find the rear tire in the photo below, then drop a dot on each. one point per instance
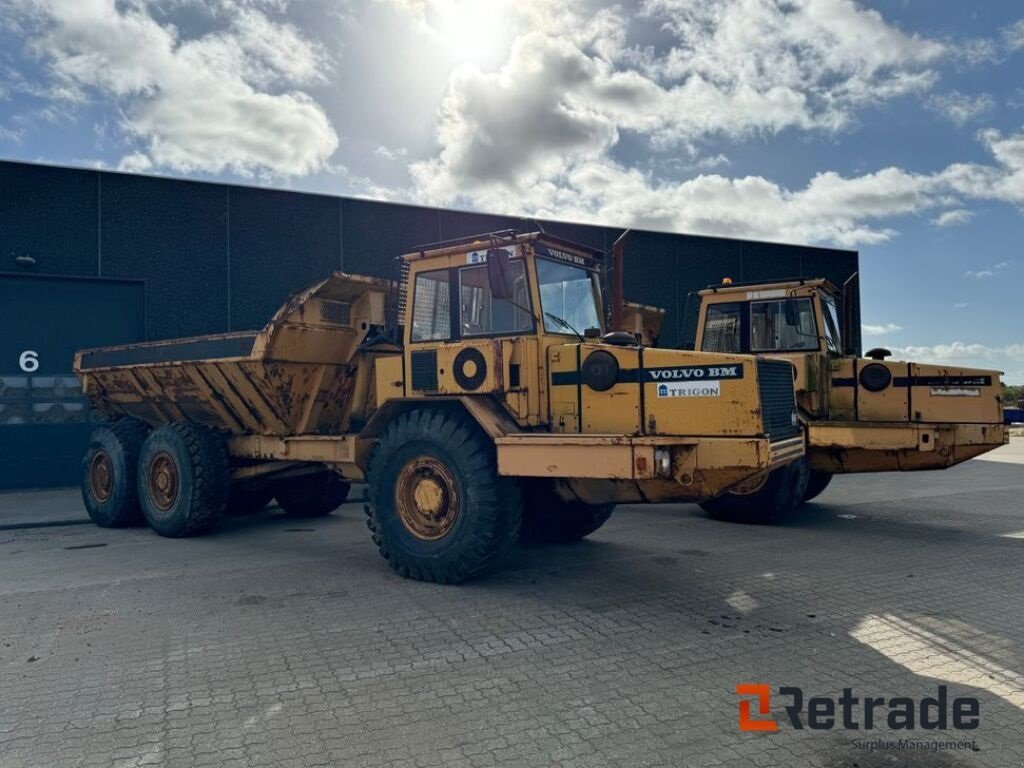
(248, 500)
(782, 492)
(817, 483)
(109, 468)
(438, 510)
(549, 519)
(184, 479)
(312, 495)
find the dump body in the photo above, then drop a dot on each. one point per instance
(304, 373)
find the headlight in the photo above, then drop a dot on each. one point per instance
(663, 461)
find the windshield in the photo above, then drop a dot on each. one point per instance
(567, 292)
(831, 324)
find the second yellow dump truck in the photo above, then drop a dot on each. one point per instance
(477, 395)
(861, 414)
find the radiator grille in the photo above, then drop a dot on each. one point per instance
(778, 401)
(336, 312)
(402, 300)
(424, 370)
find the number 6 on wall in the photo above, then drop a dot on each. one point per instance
(29, 361)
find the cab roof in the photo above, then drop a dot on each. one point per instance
(760, 285)
(505, 238)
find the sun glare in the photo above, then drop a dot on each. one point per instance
(472, 30)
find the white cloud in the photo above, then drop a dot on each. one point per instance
(953, 218)
(1013, 35)
(222, 101)
(960, 108)
(537, 135)
(831, 208)
(734, 68)
(833, 53)
(135, 162)
(987, 272)
(960, 353)
(880, 330)
(390, 154)
(962, 305)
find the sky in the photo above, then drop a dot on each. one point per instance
(895, 127)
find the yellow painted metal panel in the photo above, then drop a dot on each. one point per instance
(700, 393)
(890, 404)
(952, 394)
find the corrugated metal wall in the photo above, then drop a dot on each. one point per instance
(218, 257)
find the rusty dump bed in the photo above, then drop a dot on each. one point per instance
(298, 375)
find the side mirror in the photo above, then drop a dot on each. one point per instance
(790, 309)
(499, 273)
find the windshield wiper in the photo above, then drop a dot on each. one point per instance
(565, 324)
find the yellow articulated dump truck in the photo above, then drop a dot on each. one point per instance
(860, 414)
(476, 394)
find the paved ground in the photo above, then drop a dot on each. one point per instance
(273, 643)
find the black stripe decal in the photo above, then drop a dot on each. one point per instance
(643, 405)
(579, 393)
(927, 381)
(653, 375)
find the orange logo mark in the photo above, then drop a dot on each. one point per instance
(763, 693)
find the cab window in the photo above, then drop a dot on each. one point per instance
(431, 310)
(568, 293)
(483, 315)
(722, 326)
(784, 325)
(832, 338)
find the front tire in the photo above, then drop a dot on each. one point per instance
(781, 493)
(438, 510)
(817, 483)
(109, 467)
(184, 479)
(549, 519)
(314, 495)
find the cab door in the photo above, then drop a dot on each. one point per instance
(460, 338)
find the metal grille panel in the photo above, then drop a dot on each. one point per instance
(424, 370)
(778, 400)
(336, 312)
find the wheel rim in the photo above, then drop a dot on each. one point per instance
(101, 476)
(163, 481)
(427, 498)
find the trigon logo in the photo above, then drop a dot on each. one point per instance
(763, 693)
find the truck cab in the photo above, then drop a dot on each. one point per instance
(863, 413)
(518, 320)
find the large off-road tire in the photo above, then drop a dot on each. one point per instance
(438, 510)
(817, 483)
(184, 479)
(109, 468)
(782, 492)
(549, 519)
(313, 495)
(248, 499)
